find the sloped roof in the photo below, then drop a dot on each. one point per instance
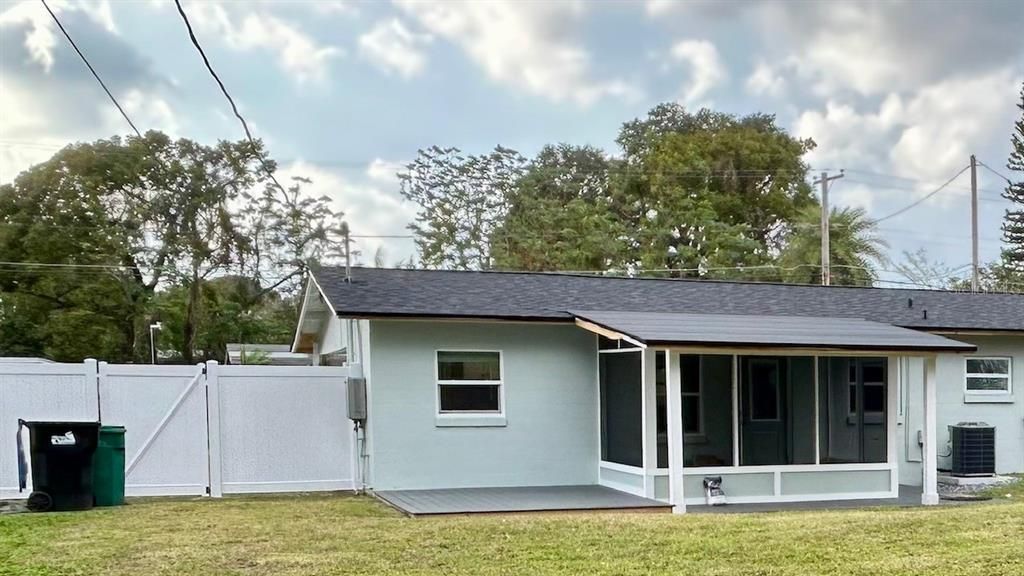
(383, 292)
(741, 331)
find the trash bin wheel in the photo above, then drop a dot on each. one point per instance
(39, 502)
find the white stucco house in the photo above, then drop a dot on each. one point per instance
(647, 386)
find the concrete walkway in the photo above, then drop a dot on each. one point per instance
(518, 499)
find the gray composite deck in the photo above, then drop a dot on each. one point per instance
(518, 499)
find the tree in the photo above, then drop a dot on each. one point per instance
(288, 231)
(855, 249)
(1013, 224)
(230, 309)
(709, 189)
(93, 215)
(115, 220)
(463, 199)
(921, 270)
(559, 215)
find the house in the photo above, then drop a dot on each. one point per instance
(273, 354)
(648, 386)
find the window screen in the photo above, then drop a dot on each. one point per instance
(469, 381)
(988, 375)
(621, 408)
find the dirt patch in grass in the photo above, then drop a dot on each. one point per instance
(339, 534)
(1011, 491)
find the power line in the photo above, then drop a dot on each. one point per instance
(224, 90)
(91, 69)
(922, 199)
(996, 172)
(989, 195)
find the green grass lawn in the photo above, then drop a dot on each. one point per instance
(338, 534)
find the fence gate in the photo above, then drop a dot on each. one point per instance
(163, 409)
(194, 430)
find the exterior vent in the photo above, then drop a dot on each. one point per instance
(974, 449)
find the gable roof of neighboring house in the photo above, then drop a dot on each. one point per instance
(275, 354)
(383, 292)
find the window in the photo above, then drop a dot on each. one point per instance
(469, 382)
(874, 388)
(987, 375)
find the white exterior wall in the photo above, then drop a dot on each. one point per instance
(1006, 413)
(550, 434)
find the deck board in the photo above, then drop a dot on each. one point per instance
(515, 499)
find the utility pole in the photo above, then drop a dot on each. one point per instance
(974, 224)
(826, 271)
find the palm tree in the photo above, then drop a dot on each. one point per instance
(856, 250)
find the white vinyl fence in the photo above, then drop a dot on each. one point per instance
(194, 430)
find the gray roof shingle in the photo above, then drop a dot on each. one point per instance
(383, 292)
(728, 330)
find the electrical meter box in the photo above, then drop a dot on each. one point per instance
(357, 399)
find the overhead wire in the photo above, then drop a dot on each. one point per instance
(89, 65)
(921, 200)
(224, 90)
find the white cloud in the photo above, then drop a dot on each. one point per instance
(926, 136)
(706, 68)
(371, 208)
(766, 80)
(329, 7)
(47, 100)
(42, 38)
(845, 47)
(383, 171)
(522, 44)
(148, 111)
(298, 54)
(394, 48)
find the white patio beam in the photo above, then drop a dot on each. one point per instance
(673, 379)
(929, 466)
(649, 419)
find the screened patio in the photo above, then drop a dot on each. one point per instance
(784, 409)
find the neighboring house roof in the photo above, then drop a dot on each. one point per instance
(732, 330)
(276, 354)
(24, 360)
(382, 292)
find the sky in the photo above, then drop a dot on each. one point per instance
(897, 94)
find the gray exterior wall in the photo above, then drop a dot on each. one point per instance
(1006, 413)
(550, 436)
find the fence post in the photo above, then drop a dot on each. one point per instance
(91, 371)
(213, 429)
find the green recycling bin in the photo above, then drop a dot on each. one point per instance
(108, 467)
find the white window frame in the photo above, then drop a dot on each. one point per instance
(438, 382)
(699, 395)
(1008, 376)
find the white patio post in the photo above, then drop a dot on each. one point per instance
(673, 378)
(893, 387)
(930, 492)
(649, 419)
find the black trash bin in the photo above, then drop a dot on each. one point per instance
(61, 454)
